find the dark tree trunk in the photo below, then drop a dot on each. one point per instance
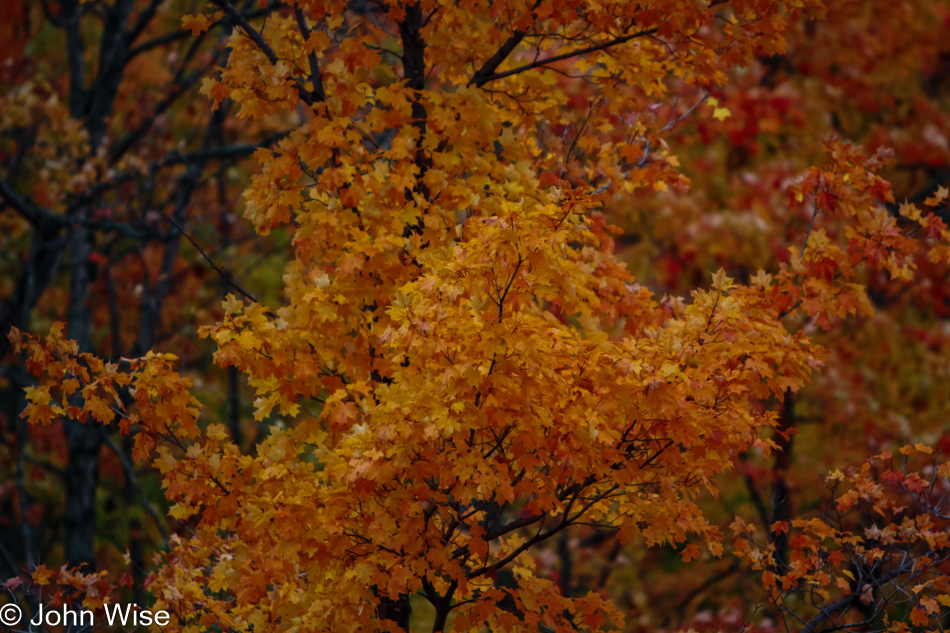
(83, 440)
(781, 502)
(396, 610)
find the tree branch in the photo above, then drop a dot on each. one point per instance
(547, 60)
(847, 601)
(211, 263)
(24, 206)
(181, 34)
(316, 77)
(130, 474)
(493, 62)
(261, 44)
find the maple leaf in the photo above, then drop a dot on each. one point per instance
(197, 24)
(721, 114)
(690, 552)
(918, 617)
(12, 583)
(929, 605)
(721, 281)
(42, 575)
(398, 580)
(938, 198)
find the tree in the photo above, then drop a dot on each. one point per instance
(106, 162)
(880, 543)
(881, 388)
(464, 367)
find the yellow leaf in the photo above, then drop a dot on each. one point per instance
(721, 113)
(42, 575)
(182, 511)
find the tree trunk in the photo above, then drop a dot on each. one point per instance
(396, 610)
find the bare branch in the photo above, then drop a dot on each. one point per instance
(211, 263)
(548, 60)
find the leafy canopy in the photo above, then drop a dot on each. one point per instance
(468, 367)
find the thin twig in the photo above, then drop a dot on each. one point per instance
(220, 272)
(808, 233)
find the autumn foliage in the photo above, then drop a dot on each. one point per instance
(560, 283)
